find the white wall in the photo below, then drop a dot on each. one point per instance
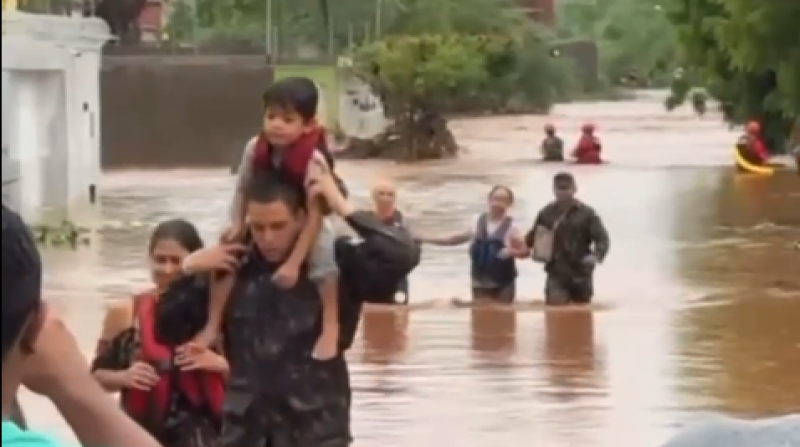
(51, 101)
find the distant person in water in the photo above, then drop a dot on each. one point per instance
(384, 206)
(751, 145)
(552, 147)
(588, 150)
(495, 241)
(569, 238)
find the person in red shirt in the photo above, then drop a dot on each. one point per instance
(752, 146)
(175, 393)
(588, 149)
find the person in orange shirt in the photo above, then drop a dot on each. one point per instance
(588, 149)
(751, 144)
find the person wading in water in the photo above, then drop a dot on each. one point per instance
(278, 394)
(569, 238)
(751, 144)
(495, 243)
(174, 393)
(41, 354)
(384, 205)
(552, 147)
(589, 148)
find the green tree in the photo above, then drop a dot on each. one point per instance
(419, 76)
(746, 54)
(621, 28)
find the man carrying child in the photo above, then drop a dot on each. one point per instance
(292, 149)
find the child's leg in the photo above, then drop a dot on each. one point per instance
(325, 271)
(220, 290)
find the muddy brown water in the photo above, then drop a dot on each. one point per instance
(698, 304)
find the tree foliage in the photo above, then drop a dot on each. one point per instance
(746, 54)
(445, 56)
(622, 29)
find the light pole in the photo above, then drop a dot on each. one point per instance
(268, 25)
(378, 18)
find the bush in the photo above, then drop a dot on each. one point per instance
(423, 78)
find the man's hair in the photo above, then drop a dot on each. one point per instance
(22, 278)
(563, 178)
(265, 188)
(296, 94)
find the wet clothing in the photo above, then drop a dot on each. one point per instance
(504, 295)
(401, 294)
(588, 150)
(184, 408)
(579, 234)
(278, 395)
(493, 273)
(553, 149)
(719, 431)
(752, 149)
(563, 290)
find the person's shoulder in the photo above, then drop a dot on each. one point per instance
(547, 208)
(586, 209)
(14, 436)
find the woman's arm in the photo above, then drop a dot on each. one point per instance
(448, 241)
(108, 374)
(515, 243)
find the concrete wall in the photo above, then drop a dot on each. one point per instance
(179, 111)
(50, 144)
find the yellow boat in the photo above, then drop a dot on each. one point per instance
(743, 165)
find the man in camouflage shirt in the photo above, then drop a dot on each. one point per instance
(580, 242)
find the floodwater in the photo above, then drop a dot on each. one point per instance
(698, 303)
